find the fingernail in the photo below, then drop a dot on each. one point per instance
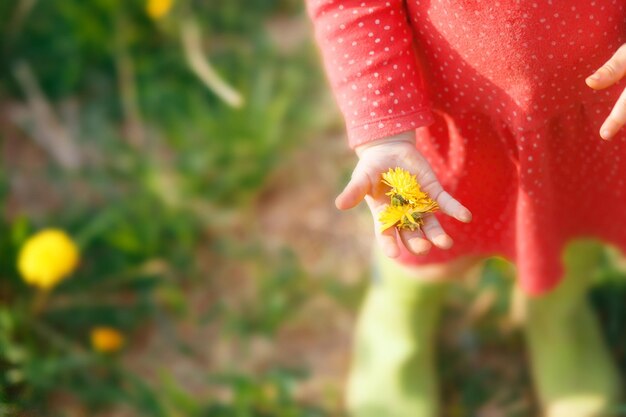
(465, 217)
(420, 246)
(594, 77)
(443, 241)
(605, 133)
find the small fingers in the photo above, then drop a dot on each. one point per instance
(414, 241)
(611, 72)
(452, 207)
(434, 232)
(431, 185)
(446, 202)
(616, 119)
(388, 242)
(356, 189)
(386, 239)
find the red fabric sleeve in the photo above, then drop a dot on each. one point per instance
(368, 54)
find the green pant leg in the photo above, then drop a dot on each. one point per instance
(393, 370)
(573, 371)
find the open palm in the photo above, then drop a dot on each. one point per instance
(376, 158)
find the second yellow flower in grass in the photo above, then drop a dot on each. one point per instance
(408, 203)
(106, 339)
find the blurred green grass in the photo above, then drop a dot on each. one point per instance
(163, 172)
(162, 184)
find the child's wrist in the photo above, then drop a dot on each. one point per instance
(407, 137)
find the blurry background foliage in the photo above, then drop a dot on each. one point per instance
(110, 133)
(191, 150)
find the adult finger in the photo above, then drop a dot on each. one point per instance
(386, 239)
(434, 232)
(616, 119)
(356, 189)
(414, 241)
(611, 72)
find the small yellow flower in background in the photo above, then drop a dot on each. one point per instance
(408, 203)
(47, 258)
(156, 9)
(106, 339)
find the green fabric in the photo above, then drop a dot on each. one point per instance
(394, 370)
(573, 371)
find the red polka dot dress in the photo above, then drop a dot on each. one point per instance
(496, 93)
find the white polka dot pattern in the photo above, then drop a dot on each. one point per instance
(512, 130)
(368, 53)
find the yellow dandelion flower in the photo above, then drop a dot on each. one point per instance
(425, 205)
(404, 186)
(413, 220)
(391, 216)
(408, 202)
(47, 258)
(405, 217)
(106, 339)
(156, 9)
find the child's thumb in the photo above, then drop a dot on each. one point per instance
(355, 191)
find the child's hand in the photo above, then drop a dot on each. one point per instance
(377, 157)
(610, 73)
